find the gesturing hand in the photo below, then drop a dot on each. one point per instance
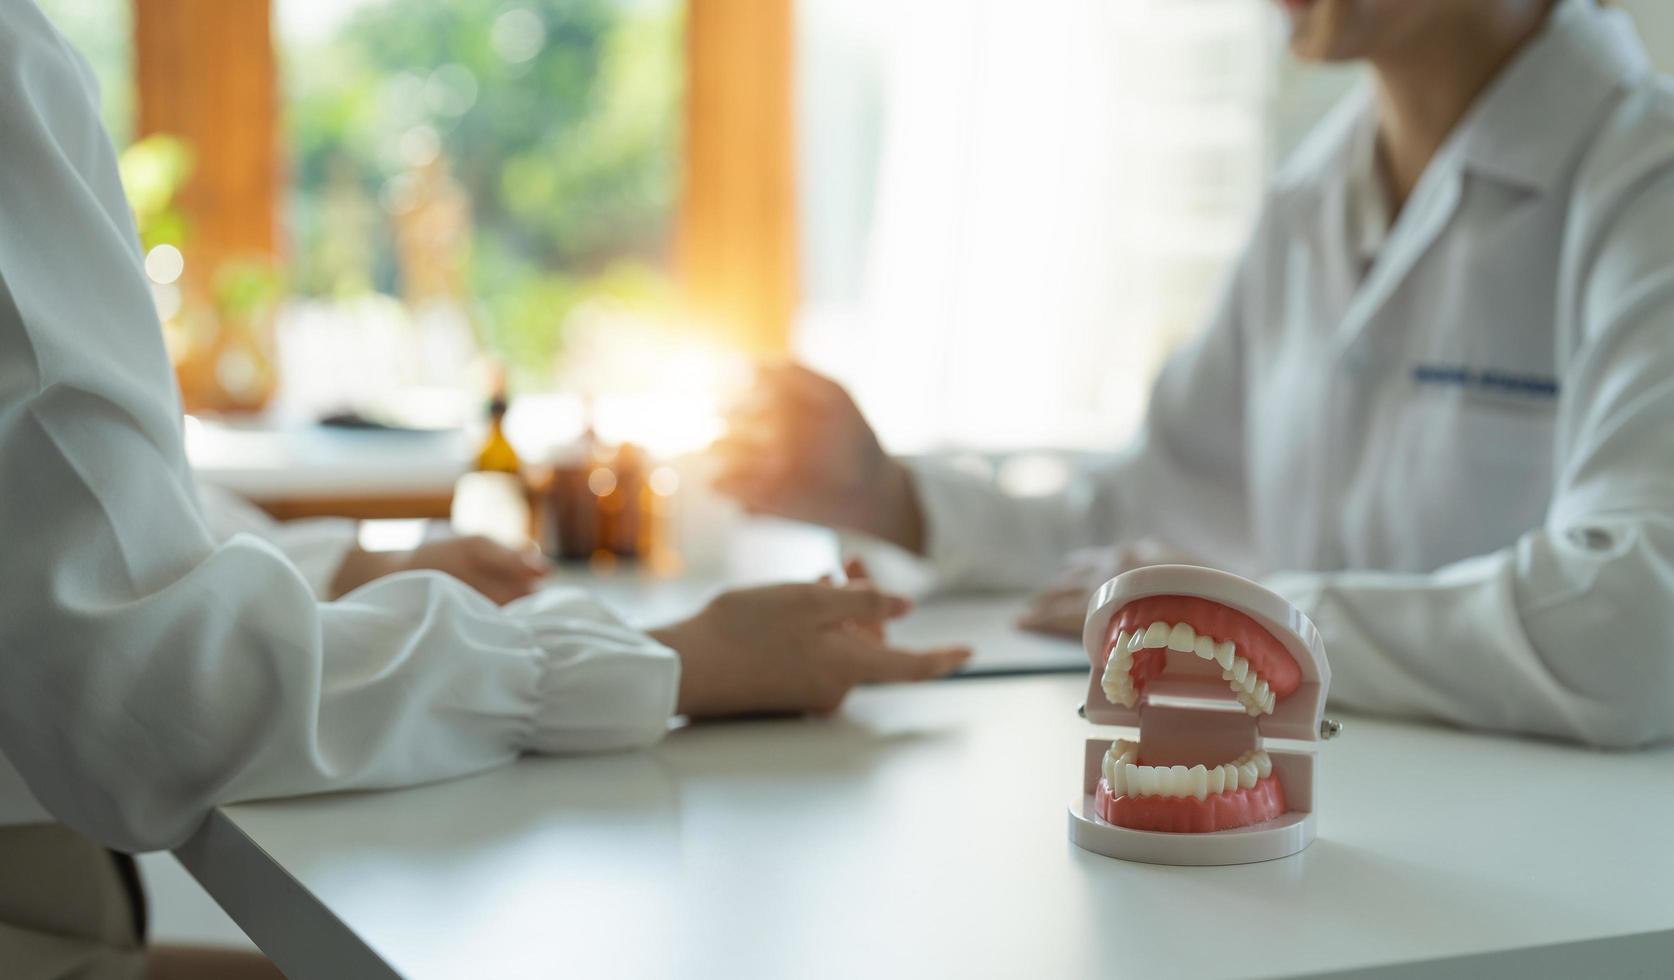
(798, 447)
(792, 648)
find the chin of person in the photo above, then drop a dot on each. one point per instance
(1316, 28)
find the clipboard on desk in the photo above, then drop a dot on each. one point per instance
(987, 624)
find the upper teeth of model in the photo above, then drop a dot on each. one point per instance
(1127, 778)
(1250, 689)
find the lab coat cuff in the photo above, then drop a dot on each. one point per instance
(1300, 589)
(955, 506)
(891, 568)
(1362, 676)
(1306, 591)
(1346, 651)
(948, 500)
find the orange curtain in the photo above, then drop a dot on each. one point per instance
(206, 73)
(736, 250)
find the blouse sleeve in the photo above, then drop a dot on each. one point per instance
(315, 546)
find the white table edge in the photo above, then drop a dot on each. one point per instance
(1632, 955)
(281, 916)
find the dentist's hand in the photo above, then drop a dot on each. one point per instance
(798, 447)
(793, 648)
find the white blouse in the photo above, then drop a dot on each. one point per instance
(148, 672)
(315, 546)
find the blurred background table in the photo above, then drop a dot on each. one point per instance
(302, 469)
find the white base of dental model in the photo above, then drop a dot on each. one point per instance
(1186, 714)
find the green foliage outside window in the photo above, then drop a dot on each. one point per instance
(559, 119)
(153, 170)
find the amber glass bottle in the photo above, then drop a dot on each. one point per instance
(497, 454)
(492, 499)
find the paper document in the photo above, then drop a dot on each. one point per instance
(986, 623)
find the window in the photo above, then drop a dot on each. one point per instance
(994, 209)
(1044, 205)
(471, 172)
(451, 175)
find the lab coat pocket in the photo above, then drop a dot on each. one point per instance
(1477, 474)
(1505, 453)
(1511, 433)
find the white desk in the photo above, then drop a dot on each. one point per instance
(922, 833)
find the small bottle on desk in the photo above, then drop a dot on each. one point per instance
(497, 454)
(493, 499)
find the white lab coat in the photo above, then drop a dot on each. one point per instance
(1460, 462)
(147, 672)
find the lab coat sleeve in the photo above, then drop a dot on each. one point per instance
(1570, 632)
(315, 546)
(1181, 482)
(148, 673)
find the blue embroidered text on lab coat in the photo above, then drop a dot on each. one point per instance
(1487, 379)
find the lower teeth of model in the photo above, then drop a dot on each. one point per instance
(1127, 778)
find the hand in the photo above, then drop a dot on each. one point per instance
(1061, 610)
(793, 648)
(496, 571)
(798, 447)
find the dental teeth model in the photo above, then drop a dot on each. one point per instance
(1205, 663)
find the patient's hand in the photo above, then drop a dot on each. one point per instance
(496, 571)
(793, 648)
